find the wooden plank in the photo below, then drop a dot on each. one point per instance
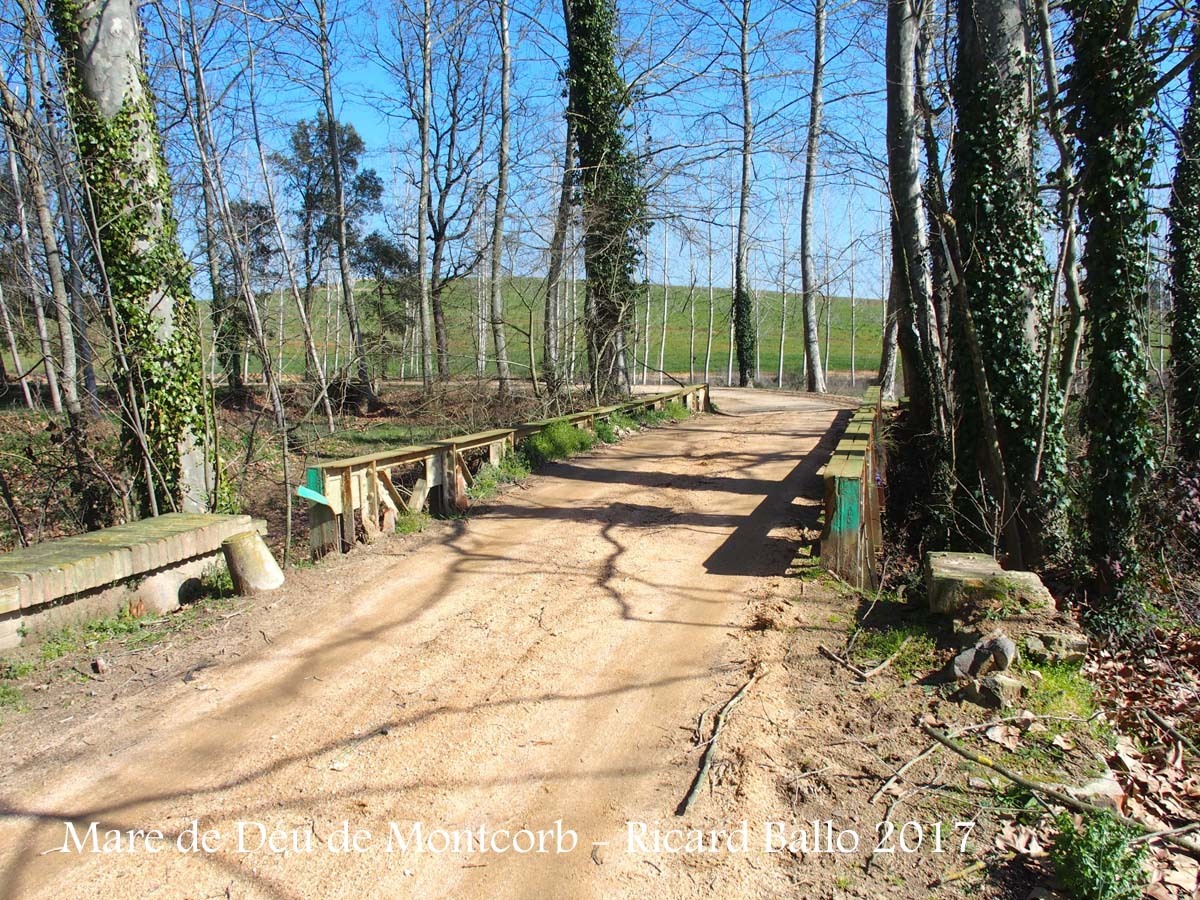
(386, 480)
(348, 509)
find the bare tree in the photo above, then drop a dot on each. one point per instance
(815, 381)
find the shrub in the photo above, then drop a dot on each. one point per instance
(557, 441)
(511, 469)
(1095, 861)
(605, 432)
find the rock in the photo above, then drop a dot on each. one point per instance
(993, 654)
(995, 691)
(99, 666)
(1003, 650)
(961, 665)
(159, 593)
(1056, 647)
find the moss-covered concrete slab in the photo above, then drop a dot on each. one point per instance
(962, 582)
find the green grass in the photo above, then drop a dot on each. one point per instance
(73, 638)
(605, 432)
(409, 522)
(131, 632)
(556, 441)
(512, 468)
(11, 700)
(917, 658)
(1095, 861)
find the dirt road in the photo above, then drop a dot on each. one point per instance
(541, 662)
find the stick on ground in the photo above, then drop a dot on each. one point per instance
(845, 663)
(706, 760)
(1063, 799)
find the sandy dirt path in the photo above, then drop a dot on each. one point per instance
(543, 661)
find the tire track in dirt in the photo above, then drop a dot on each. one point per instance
(537, 662)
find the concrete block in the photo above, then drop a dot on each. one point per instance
(160, 592)
(10, 594)
(10, 630)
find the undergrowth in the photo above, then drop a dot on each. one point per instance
(556, 441)
(917, 653)
(1095, 861)
(513, 467)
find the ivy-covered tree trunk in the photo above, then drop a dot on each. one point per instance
(1005, 285)
(613, 199)
(1185, 273)
(744, 333)
(1110, 87)
(156, 328)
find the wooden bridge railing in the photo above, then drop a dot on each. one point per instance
(853, 530)
(379, 486)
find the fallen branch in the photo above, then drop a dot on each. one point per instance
(1172, 730)
(826, 652)
(1063, 799)
(899, 773)
(977, 866)
(706, 760)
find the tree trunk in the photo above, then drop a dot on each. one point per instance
(499, 339)
(743, 321)
(711, 308)
(1004, 289)
(423, 200)
(662, 343)
(303, 302)
(554, 279)
(11, 338)
(363, 387)
(157, 327)
(891, 328)
(921, 344)
(1185, 271)
(815, 379)
(18, 125)
(35, 288)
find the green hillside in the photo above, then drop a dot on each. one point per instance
(524, 300)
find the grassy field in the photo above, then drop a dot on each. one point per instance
(524, 301)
